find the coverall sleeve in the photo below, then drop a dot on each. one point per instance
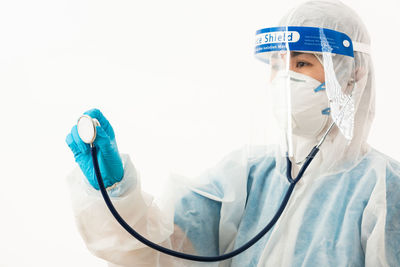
(106, 239)
(380, 231)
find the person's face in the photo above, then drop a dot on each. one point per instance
(308, 64)
(304, 63)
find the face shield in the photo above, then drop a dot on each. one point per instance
(311, 77)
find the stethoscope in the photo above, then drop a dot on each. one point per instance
(87, 132)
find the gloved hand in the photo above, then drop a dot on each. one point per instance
(110, 162)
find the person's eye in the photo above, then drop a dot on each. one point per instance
(301, 64)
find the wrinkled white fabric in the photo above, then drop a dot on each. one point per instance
(106, 239)
(349, 218)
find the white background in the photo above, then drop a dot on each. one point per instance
(144, 64)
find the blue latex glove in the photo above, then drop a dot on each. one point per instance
(110, 162)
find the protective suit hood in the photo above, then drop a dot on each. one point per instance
(337, 152)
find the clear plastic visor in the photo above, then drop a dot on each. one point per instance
(310, 74)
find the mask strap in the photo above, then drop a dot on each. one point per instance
(362, 47)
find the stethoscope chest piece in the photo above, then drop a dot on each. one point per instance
(87, 128)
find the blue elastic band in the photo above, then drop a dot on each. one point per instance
(320, 88)
(326, 111)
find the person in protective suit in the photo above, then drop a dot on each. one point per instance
(345, 211)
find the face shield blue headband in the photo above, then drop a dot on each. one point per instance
(273, 46)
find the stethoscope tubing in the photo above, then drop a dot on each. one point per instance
(191, 257)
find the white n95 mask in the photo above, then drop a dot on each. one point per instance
(309, 103)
